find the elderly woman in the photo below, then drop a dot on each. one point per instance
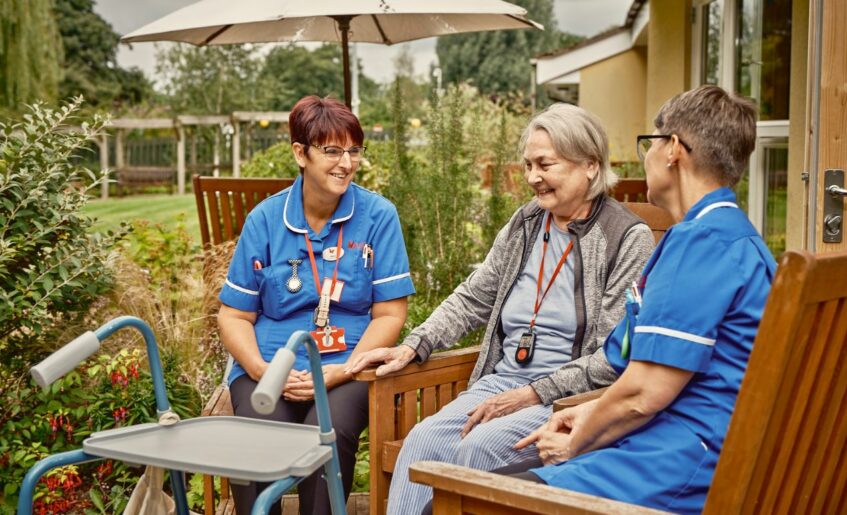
(548, 293)
(323, 243)
(655, 435)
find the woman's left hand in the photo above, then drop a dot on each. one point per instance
(553, 446)
(501, 405)
(304, 389)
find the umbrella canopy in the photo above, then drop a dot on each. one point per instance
(222, 22)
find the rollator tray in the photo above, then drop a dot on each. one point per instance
(233, 447)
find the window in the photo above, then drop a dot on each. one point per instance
(763, 55)
(745, 46)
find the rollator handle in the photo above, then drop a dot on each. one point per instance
(65, 359)
(269, 389)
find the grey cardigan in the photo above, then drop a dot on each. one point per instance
(611, 248)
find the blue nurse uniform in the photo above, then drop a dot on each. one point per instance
(704, 291)
(275, 233)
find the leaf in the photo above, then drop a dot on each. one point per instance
(97, 499)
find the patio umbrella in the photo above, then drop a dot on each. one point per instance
(222, 22)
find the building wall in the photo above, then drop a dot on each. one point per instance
(614, 90)
(668, 54)
(795, 219)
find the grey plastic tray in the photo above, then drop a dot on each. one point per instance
(233, 447)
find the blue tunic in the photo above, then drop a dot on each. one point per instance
(704, 291)
(274, 233)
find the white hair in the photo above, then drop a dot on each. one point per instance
(579, 137)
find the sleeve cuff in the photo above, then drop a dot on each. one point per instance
(671, 351)
(239, 298)
(546, 390)
(416, 343)
(393, 287)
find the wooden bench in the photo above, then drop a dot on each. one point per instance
(222, 206)
(394, 399)
(133, 178)
(223, 203)
(786, 448)
(630, 190)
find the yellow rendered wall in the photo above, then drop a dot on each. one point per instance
(668, 54)
(614, 90)
(797, 195)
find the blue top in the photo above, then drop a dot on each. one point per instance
(274, 233)
(703, 294)
(555, 327)
(704, 291)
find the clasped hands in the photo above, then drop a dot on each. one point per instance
(300, 386)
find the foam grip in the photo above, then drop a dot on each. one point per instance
(65, 359)
(269, 389)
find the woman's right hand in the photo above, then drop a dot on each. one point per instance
(390, 359)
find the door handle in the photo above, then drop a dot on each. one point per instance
(835, 191)
(833, 206)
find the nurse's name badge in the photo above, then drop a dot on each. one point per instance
(332, 253)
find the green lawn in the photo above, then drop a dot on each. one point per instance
(165, 209)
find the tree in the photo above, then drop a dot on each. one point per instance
(90, 58)
(497, 62)
(292, 72)
(30, 52)
(211, 80)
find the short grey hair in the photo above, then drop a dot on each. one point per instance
(577, 136)
(720, 128)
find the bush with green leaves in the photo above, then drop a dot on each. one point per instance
(51, 267)
(278, 161)
(275, 161)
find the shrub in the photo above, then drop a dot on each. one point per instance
(50, 266)
(275, 161)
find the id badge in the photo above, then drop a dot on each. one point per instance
(330, 341)
(526, 347)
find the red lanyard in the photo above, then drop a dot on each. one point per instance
(562, 260)
(315, 266)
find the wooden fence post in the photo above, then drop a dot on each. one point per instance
(104, 164)
(180, 157)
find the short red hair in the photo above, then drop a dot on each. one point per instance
(318, 121)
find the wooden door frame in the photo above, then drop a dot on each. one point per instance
(827, 108)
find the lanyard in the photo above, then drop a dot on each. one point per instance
(324, 302)
(562, 260)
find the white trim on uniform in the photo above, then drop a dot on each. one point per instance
(239, 288)
(352, 208)
(674, 334)
(716, 205)
(285, 217)
(392, 278)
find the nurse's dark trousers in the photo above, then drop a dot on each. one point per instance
(348, 406)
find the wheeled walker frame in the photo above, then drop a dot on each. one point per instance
(240, 448)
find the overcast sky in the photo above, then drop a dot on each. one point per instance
(583, 17)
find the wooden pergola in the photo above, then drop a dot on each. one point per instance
(180, 125)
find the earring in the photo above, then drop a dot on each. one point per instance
(670, 165)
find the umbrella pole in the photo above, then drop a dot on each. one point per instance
(344, 28)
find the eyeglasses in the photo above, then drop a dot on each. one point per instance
(334, 152)
(643, 142)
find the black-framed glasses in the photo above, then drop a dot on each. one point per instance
(643, 142)
(334, 152)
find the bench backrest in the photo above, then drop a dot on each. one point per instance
(630, 190)
(786, 449)
(656, 218)
(223, 203)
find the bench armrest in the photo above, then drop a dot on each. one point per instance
(576, 400)
(455, 486)
(436, 361)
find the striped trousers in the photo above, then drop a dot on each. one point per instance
(488, 446)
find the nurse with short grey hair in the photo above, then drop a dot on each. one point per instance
(550, 290)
